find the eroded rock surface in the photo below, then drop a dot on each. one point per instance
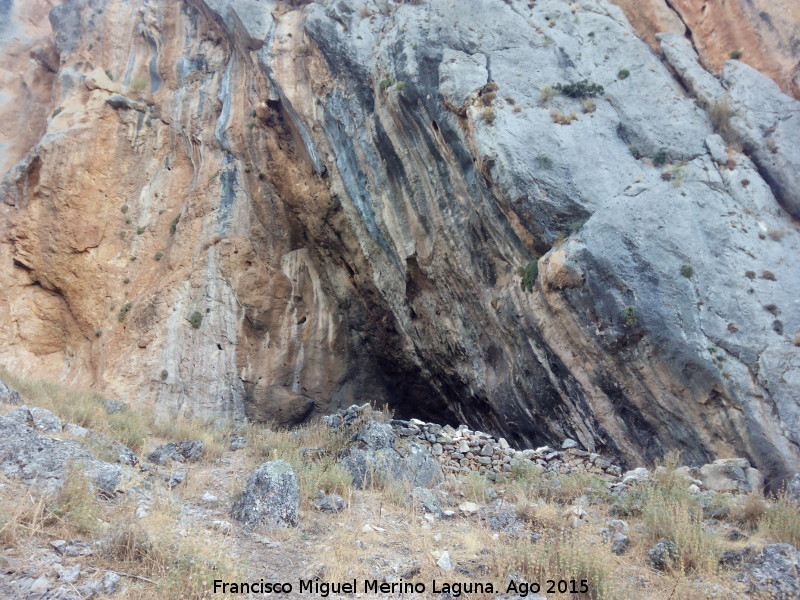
(283, 209)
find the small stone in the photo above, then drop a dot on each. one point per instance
(568, 443)
(111, 583)
(40, 586)
(503, 444)
(175, 479)
(70, 575)
(468, 508)
(209, 497)
(59, 546)
(619, 543)
(329, 503)
(444, 562)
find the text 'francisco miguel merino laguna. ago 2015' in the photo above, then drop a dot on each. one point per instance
(373, 586)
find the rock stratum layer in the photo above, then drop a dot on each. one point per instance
(272, 210)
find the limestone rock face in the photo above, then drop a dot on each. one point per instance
(274, 210)
(764, 32)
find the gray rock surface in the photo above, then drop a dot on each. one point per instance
(188, 451)
(329, 503)
(270, 497)
(664, 555)
(36, 458)
(731, 475)
(373, 457)
(8, 395)
(776, 571)
(396, 271)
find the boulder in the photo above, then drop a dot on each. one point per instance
(8, 396)
(270, 497)
(427, 501)
(664, 555)
(731, 475)
(329, 503)
(177, 451)
(374, 456)
(775, 572)
(27, 455)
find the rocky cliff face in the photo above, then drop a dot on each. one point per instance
(764, 33)
(273, 210)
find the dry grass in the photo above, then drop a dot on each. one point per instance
(82, 408)
(561, 118)
(781, 523)
(721, 114)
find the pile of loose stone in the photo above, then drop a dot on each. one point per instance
(460, 450)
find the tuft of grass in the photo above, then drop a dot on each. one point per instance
(488, 115)
(782, 521)
(561, 118)
(547, 93)
(630, 316)
(623, 74)
(476, 487)
(528, 275)
(123, 312)
(721, 114)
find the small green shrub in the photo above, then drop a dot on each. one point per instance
(623, 74)
(196, 319)
(158, 255)
(661, 158)
(635, 152)
(124, 311)
(630, 316)
(386, 83)
(173, 227)
(124, 208)
(126, 280)
(544, 161)
(109, 74)
(399, 85)
(251, 125)
(736, 54)
(581, 89)
(701, 104)
(528, 275)
(164, 375)
(687, 271)
(140, 230)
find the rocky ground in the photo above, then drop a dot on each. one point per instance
(360, 496)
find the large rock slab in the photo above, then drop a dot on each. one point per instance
(27, 455)
(731, 475)
(775, 571)
(373, 457)
(270, 497)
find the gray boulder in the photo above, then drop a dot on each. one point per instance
(664, 555)
(731, 475)
(270, 497)
(426, 501)
(329, 503)
(374, 456)
(8, 396)
(177, 451)
(39, 418)
(775, 572)
(42, 460)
